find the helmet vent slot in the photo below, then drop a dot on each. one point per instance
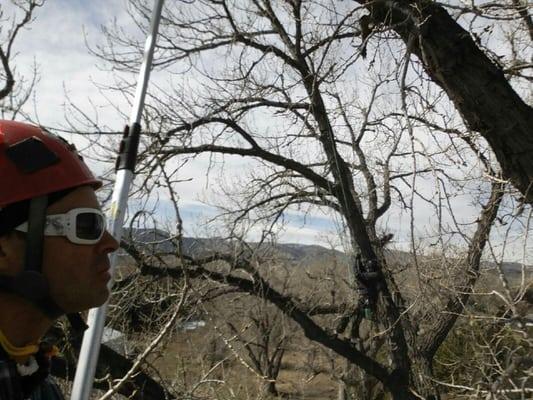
(31, 155)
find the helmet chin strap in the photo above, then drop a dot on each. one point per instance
(31, 284)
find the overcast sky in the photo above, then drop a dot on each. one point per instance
(56, 42)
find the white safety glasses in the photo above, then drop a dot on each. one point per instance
(79, 225)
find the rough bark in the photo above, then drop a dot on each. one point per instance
(477, 87)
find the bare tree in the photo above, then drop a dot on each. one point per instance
(275, 82)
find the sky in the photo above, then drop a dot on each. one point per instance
(57, 43)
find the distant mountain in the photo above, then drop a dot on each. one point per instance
(161, 242)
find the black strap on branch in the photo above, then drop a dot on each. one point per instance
(77, 323)
(367, 275)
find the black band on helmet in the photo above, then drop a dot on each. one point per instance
(31, 283)
(15, 214)
(35, 235)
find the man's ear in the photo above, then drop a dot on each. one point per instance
(11, 251)
(2, 246)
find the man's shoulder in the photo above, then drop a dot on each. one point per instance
(47, 390)
(10, 383)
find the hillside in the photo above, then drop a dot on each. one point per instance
(161, 242)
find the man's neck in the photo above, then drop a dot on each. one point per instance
(21, 322)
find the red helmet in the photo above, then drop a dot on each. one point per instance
(34, 162)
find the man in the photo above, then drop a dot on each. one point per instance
(53, 252)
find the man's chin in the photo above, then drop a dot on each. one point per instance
(96, 300)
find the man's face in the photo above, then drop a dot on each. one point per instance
(77, 274)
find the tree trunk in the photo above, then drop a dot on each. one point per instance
(422, 379)
(477, 87)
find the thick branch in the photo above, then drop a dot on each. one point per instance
(10, 80)
(477, 87)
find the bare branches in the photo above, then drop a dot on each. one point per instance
(255, 151)
(8, 36)
(10, 81)
(325, 132)
(260, 288)
(142, 357)
(443, 323)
